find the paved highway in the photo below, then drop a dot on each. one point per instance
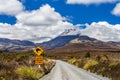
(65, 71)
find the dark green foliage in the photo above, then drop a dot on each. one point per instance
(87, 55)
(1, 51)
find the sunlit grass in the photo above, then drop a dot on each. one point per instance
(90, 64)
(113, 64)
(29, 72)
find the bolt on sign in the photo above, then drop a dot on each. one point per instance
(39, 60)
(38, 51)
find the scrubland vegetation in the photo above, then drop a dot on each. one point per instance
(106, 64)
(100, 65)
(21, 66)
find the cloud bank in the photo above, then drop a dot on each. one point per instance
(116, 10)
(89, 1)
(102, 31)
(38, 25)
(45, 23)
(10, 7)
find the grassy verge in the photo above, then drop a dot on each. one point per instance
(21, 66)
(108, 69)
(102, 63)
(29, 73)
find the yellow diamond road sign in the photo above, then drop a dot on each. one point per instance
(38, 50)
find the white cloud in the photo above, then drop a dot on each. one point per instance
(116, 10)
(89, 1)
(45, 15)
(102, 31)
(37, 26)
(10, 7)
(35, 34)
(45, 23)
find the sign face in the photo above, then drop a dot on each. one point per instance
(38, 51)
(38, 60)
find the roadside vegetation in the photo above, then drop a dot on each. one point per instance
(100, 65)
(106, 64)
(21, 66)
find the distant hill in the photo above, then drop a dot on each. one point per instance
(69, 40)
(61, 40)
(15, 45)
(73, 40)
(79, 43)
(58, 42)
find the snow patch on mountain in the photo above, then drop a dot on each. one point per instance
(70, 32)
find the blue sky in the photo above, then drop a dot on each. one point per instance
(78, 14)
(91, 15)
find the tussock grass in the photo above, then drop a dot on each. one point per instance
(29, 73)
(103, 66)
(113, 64)
(21, 66)
(89, 64)
(74, 61)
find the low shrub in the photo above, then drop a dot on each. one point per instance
(74, 61)
(29, 72)
(113, 64)
(87, 55)
(22, 55)
(89, 64)
(2, 78)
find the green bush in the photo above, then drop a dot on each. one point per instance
(2, 78)
(113, 64)
(74, 61)
(87, 55)
(22, 55)
(103, 69)
(1, 51)
(90, 64)
(29, 72)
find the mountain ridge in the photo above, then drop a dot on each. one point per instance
(67, 41)
(15, 45)
(69, 38)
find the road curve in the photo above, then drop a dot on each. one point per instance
(65, 71)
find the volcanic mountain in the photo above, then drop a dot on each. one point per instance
(73, 40)
(69, 40)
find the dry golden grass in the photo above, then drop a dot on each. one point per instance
(105, 63)
(21, 66)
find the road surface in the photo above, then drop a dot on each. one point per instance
(65, 71)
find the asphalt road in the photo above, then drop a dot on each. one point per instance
(65, 71)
